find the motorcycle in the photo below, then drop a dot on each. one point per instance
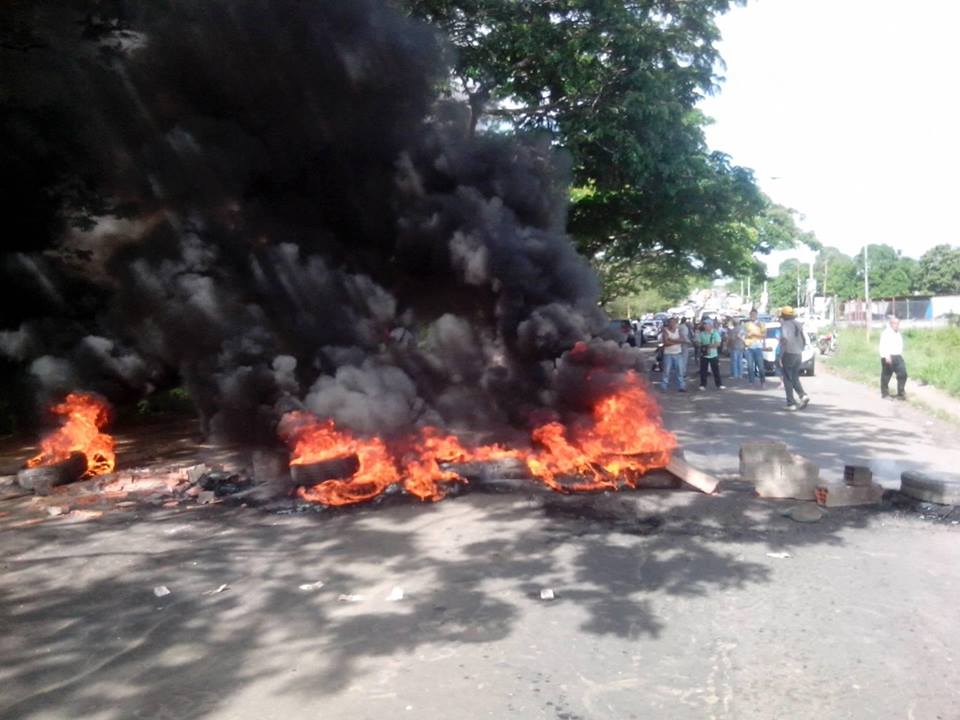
(827, 344)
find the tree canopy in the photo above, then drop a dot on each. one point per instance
(615, 84)
(938, 271)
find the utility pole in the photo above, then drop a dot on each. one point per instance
(868, 314)
(797, 304)
(749, 296)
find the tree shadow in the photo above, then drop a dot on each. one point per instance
(84, 630)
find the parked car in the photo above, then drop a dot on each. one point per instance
(771, 351)
(650, 330)
(621, 331)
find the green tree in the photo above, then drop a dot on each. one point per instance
(836, 274)
(891, 274)
(938, 271)
(615, 84)
(782, 289)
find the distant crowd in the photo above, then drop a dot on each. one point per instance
(685, 345)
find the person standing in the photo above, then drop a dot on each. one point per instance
(792, 342)
(736, 345)
(709, 342)
(672, 355)
(891, 359)
(755, 334)
(686, 337)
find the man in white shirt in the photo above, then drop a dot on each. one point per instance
(891, 359)
(673, 355)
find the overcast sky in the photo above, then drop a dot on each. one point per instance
(853, 105)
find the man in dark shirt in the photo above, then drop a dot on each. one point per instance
(792, 343)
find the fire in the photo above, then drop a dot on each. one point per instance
(83, 416)
(623, 439)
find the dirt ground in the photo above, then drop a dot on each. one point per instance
(667, 603)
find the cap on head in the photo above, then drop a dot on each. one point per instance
(787, 311)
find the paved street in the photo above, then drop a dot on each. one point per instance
(668, 604)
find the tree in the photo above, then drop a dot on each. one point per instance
(782, 290)
(891, 274)
(836, 274)
(615, 84)
(938, 271)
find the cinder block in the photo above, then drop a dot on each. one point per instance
(941, 490)
(836, 495)
(795, 477)
(859, 475)
(761, 460)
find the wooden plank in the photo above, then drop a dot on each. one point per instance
(702, 481)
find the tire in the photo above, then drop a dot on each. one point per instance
(316, 473)
(43, 478)
(812, 370)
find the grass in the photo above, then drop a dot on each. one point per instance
(932, 356)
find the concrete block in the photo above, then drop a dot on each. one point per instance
(836, 495)
(858, 475)
(943, 490)
(795, 477)
(760, 461)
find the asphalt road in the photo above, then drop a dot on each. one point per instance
(668, 604)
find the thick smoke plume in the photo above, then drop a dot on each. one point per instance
(298, 220)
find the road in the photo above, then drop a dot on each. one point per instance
(668, 604)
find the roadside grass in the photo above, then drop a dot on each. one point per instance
(932, 356)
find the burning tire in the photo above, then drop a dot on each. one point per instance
(43, 478)
(316, 473)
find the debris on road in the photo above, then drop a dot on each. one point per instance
(217, 590)
(805, 513)
(349, 598)
(395, 594)
(836, 495)
(857, 475)
(691, 476)
(547, 594)
(779, 555)
(311, 586)
(943, 490)
(778, 473)
(161, 590)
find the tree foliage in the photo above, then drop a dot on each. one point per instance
(615, 84)
(938, 271)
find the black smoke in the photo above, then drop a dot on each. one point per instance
(270, 202)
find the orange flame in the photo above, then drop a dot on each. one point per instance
(84, 416)
(624, 440)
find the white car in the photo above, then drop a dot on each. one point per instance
(771, 351)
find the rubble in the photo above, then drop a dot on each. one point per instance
(778, 473)
(837, 495)
(857, 475)
(805, 513)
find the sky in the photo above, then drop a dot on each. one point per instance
(847, 111)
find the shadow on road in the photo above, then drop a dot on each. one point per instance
(85, 634)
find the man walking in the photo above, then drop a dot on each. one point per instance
(709, 342)
(672, 355)
(891, 359)
(792, 343)
(756, 333)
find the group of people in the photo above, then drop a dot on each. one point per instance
(745, 344)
